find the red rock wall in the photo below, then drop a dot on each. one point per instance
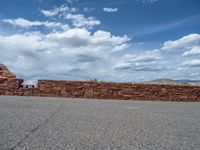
(101, 90)
(9, 86)
(5, 72)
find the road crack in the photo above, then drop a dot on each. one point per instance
(36, 128)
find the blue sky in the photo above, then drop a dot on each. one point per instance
(122, 41)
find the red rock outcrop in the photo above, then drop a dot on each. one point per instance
(5, 72)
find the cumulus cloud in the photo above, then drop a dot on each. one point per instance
(187, 46)
(194, 51)
(99, 41)
(79, 20)
(148, 61)
(184, 42)
(110, 10)
(192, 63)
(169, 61)
(182, 56)
(66, 55)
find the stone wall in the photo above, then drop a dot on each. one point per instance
(9, 85)
(101, 90)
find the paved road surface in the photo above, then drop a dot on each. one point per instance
(73, 124)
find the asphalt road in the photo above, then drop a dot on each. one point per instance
(73, 124)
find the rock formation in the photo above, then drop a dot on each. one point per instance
(5, 72)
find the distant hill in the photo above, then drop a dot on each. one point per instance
(163, 81)
(174, 82)
(192, 82)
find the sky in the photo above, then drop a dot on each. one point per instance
(107, 40)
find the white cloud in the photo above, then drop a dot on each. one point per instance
(194, 51)
(86, 9)
(69, 52)
(59, 11)
(185, 42)
(60, 55)
(147, 61)
(82, 38)
(103, 37)
(49, 13)
(70, 14)
(24, 23)
(192, 63)
(147, 1)
(188, 45)
(21, 22)
(110, 9)
(79, 20)
(165, 62)
(71, 1)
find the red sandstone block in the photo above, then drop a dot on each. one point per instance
(89, 93)
(126, 91)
